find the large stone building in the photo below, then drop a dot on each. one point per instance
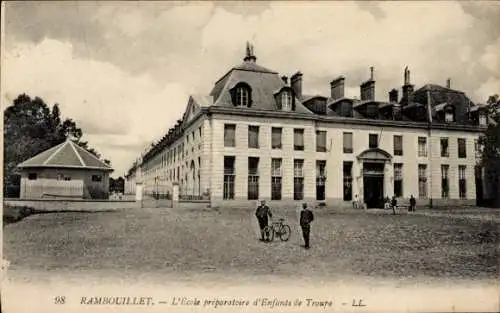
(258, 136)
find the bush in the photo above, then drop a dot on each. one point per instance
(12, 214)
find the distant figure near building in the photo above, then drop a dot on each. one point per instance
(394, 204)
(262, 214)
(413, 203)
(306, 217)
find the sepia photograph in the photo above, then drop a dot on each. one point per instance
(250, 156)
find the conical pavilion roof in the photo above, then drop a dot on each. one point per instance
(66, 155)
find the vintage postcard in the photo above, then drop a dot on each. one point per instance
(274, 156)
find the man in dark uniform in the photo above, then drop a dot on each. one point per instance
(262, 214)
(394, 204)
(306, 217)
(413, 203)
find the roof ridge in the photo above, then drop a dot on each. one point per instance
(55, 152)
(72, 144)
(93, 156)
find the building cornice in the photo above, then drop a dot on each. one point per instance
(341, 120)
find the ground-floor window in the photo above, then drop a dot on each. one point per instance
(445, 187)
(422, 181)
(320, 180)
(253, 178)
(462, 182)
(347, 169)
(276, 179)
(398, 179)
(298, 179)
(229, 178)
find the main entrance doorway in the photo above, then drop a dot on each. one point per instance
(373, 184)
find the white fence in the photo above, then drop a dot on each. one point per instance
(52, 189)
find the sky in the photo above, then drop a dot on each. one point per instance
(124, 70)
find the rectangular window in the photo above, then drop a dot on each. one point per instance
(422, 180)
(253, 137)
(462, 148)
(422, 146)
(320, 179)
(483, 120)
(32, 176)
(199, 131)
(445, 187)
(298, 179)
(96, 178)
(477, 149)
(276, 179)
(462, 182)
(444, 148)
(320, 141)
(276, 137)
(398, 179)
(229, 135)
(347, 169)
(229, 177)
(373, 141)
(398, 145)
(347, 142)
(298, 139)
(253, 178)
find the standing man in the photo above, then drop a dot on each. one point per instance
(394, 204)
(306, 217)
(262, 214)
(413, 203)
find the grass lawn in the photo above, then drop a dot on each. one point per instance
(169, 243)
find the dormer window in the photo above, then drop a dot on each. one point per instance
(242, 95)
(449, 114)
(286, 101)
(448, 117)
(482, 120)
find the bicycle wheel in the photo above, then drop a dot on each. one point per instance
(285, 232)
(269, 232)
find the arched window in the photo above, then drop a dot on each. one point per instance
(242, 98)
(286, 101)
(241, 95)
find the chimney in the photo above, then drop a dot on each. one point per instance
(296, 82)
(407, 88)
(337, 87)
(448, 83)
(368, 88)
(393, 96)
(284, 79)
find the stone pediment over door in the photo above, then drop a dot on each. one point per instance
(375, 155)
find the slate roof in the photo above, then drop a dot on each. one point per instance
(203, 101)
(263, 82)
(66, 155)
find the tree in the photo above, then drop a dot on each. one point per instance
(30, 127)
(490, 143)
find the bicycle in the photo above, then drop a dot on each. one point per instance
(279, 229)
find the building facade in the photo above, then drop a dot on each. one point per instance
(258, 136)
